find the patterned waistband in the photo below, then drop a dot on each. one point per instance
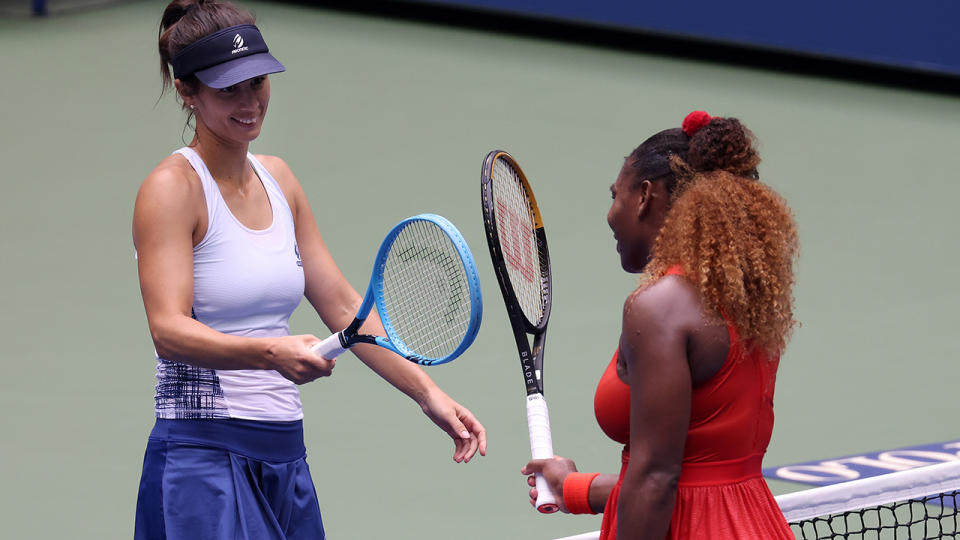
(264, 441)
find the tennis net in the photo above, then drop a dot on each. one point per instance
(915, 504)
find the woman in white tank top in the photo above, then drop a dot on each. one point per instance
(227, 247)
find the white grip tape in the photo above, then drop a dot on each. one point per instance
(330, 348)
(541, 447)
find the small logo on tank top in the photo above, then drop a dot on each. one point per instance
(296, 249)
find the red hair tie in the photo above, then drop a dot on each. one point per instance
(694, 121)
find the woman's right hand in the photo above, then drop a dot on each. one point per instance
(294, 358)
(554, 470)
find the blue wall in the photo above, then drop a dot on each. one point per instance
(918, 35)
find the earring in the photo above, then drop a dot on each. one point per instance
(192, 107)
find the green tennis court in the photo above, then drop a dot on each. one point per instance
(383, 119)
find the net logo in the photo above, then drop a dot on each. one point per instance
(238, 45)
(834, 471)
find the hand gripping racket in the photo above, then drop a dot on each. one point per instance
(518, 247)
(427, 293)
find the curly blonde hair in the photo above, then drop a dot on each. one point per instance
(734, 236)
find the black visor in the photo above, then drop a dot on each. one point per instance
(226, 57)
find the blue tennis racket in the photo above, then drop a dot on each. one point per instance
(427, 293)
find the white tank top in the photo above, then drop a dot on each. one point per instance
(246, 282)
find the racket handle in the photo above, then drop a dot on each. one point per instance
(541, 447)
(330, 348)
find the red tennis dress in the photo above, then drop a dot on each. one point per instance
(721, 494)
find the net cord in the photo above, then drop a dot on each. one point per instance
(870, 492)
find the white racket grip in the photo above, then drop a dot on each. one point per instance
(541, 447)
(330, 348)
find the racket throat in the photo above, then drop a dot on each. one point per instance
(349, 331)
(532, 381)
(531, 362)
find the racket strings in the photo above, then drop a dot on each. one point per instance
(426, 294)
(521, 251)
(435, 324)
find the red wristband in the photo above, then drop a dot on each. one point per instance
(576, 492)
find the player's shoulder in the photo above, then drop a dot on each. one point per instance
(269, 161)
(275, 165)
(671, 300)
(279, 170)
(173, 177)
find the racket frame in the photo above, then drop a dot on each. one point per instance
(343, 340)
(531, 361)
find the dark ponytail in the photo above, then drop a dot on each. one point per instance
(186, 21)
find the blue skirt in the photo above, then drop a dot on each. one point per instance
(227, 479)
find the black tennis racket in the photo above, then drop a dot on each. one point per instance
(518, 247)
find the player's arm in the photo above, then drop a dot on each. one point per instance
(337, 302)
(600, 490)
(653, 344)
(166, 218)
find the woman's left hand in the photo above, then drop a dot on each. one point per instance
(467, 432)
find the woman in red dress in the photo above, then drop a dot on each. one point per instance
(689, 391)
